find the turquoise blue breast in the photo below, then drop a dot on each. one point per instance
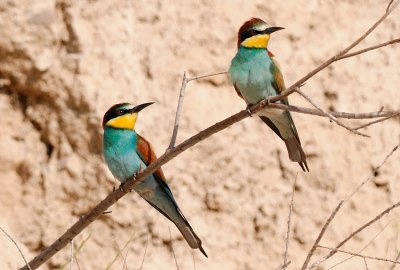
(120, 153)
(250, 71)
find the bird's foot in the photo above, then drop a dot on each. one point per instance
(141, 169)
(121, 187)
(248, 110)
(268, 101)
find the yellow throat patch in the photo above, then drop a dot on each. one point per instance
(257, 41)
(126, 121)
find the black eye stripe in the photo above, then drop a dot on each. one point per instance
(116, 113)
(250, 33)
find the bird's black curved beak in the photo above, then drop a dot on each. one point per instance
(270, 30)
(140, 107)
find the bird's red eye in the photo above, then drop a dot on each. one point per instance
(120, 112)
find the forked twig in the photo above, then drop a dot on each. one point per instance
(369, 223)
(330, 116)
(364, 247)
(185, 81)
(390, 42)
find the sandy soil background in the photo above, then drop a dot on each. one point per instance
(64, 63)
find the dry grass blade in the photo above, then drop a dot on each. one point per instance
(16, 245)
(144, 254)
(172, 248)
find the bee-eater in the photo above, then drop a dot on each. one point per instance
(127, 153)
(256, 76)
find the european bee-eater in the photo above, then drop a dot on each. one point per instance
(127, 153)
(256, 76)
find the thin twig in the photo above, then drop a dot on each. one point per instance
(330, 116)
(390, 42)
(359, 255)
(185, 81)
(16, 245)
(178, 111)
(322, 232)
(376, 121)
(366, 265)
(113, 197)
(369, 223)
(347, 115)
(207, 76)
(389, 5)
(285, 256)
(373, 175)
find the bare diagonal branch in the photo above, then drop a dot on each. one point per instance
(322, 232)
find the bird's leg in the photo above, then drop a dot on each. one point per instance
(135, 174)
(121, 187)
(268, 101)
(248, 110)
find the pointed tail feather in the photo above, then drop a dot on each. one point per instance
(296, 152)
(191, 237)
(291, 140)
(165, 203)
